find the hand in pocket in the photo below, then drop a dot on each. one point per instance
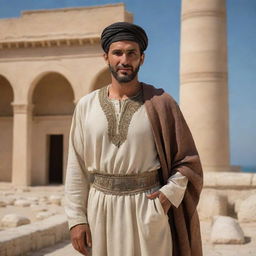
(166, 204)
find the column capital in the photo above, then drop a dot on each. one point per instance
(22, 108)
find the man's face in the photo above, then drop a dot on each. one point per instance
(124, 59)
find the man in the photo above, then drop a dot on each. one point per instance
(134, 176)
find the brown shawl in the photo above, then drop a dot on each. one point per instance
(177, 152)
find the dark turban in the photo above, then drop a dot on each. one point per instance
(123, 31)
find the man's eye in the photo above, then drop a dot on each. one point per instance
(117, 53)
(132, 53)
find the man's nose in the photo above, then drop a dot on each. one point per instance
(124, 59)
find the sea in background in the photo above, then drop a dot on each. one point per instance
(248, 169)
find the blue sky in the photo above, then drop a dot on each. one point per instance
(161, 20)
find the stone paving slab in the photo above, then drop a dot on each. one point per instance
(229, 180)
(61, 249)
(33, 237)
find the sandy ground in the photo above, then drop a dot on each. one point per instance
(40, 197)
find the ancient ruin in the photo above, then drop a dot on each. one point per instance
(46, 69)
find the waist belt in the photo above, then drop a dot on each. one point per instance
(125, 184)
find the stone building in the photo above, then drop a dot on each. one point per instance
(49, 59)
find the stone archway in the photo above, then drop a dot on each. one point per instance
(6, 129)
(102, 79)
(53, 106)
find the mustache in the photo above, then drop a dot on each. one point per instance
(124, 66)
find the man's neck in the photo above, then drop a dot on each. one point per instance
(123, 91)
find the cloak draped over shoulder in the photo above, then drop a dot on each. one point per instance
(177, 152)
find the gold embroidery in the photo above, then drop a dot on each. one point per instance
(125, 184)
(117, 131)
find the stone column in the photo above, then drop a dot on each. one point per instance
(21, 144)
(203, 79)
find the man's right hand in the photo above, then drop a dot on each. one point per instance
(81, 238)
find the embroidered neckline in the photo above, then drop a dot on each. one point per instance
(117, 131)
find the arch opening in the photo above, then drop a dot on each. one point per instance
(6, 129)
(102, 79)
(6, 97)
(53, 106)
(53, 95)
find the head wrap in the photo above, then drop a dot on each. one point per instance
(123, 31)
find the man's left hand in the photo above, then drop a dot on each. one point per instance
(166, 204)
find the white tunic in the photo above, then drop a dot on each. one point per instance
(115, 137)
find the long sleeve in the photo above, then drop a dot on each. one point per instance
(175, 188)
(77, 184)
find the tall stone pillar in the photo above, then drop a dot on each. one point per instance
(203, 79)
(21, 144)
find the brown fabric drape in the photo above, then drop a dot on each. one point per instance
(177, 152)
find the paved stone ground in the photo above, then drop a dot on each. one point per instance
(248, 249)
(37, 196)
(65, 248)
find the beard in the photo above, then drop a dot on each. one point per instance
(125, 78)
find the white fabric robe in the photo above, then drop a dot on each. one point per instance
(127, 225)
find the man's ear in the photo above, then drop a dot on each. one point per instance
(105, 56)
(142, 58)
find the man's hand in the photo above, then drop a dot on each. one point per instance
(166, 204)
(81, 238)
